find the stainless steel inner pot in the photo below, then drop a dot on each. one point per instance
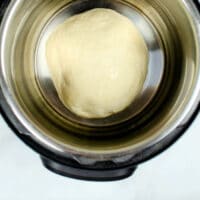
(170, 96)
(155, 66)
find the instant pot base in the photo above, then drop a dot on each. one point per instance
(82, 173)
(62, 149)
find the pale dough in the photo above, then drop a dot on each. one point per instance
(98, 62)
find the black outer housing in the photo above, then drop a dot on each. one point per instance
(102, 171)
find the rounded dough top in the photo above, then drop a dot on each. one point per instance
(98, 62)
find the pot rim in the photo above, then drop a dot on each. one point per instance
(24, 127)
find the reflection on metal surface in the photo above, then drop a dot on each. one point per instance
(174, 26)
(155, 67)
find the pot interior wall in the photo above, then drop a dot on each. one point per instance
(178, 37)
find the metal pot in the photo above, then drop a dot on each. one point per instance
(111, 148)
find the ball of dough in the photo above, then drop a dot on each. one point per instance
(98, 62)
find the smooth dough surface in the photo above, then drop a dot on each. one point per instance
(98, 62)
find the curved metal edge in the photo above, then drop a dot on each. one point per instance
(3, 7)
(137, 159)
(88, 174)
(197, 3)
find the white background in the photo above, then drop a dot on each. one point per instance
(174, 175)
